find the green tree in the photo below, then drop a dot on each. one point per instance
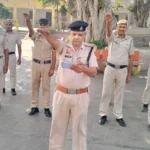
(91, 11)
(5, 12)
(140, 10)
(56, 4)
(63, 10)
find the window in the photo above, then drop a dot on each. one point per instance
(31, 14)
(49, 18)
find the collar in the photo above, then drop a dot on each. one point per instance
(10, 32)
(126, 37)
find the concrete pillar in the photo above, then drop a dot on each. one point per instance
(34, 16)
(15, 16)
(53, 18)
(14, 12)
(129, 18)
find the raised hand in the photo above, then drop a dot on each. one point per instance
(26, 16)
(108, 18)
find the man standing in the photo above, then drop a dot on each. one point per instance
(71, 98)
(118, 70)
(146, 96)
(146, 93)
(44, 59)
(3, 64)
(13, 38)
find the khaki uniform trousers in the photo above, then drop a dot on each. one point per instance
(146, 93)
(66, 106)
(118, 77)
(1, 78)
(40, 72)
(12, 69)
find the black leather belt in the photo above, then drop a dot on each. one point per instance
(10, 53)
(116, 66)
(41, 62)
(1, 56)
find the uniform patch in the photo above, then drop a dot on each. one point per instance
(79, 60)
(68, 56)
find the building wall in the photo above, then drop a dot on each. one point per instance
(39, 13)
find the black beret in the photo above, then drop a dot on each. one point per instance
(78, 26)
(43, 21)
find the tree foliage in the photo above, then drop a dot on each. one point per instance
(55, 3)
(50, 2)
(140, 9)
(63, 10)
(5, 12)
(91, 11)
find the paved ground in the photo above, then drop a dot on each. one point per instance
(18, 131)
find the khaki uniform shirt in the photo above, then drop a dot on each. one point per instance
(119, 49)
(42, 49)
(3, 43)
(13, 38)
(69, 78)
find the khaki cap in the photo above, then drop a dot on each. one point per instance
(122, 21)
(8, 21)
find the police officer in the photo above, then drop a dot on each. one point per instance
(71, 98)
(146, 96)
(13, 39)
(118, 69)
(4, 57)
(146, 93)
(43, 66)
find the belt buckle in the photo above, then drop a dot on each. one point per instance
(41, 62)
(117, 66)
(71, 91)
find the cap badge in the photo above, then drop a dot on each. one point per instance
(81, 28)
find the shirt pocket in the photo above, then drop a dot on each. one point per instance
(67, 58)
(126, 46)
(115, 44)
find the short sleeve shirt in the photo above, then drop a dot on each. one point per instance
(69, 78)
(3, 43)
(42, 48)
(119, 49)
(13, 38)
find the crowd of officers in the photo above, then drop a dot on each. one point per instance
(77, 64)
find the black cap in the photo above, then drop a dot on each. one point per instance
(43, 21)
(78, 26)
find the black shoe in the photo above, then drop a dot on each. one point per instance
(13, 92)
(145, 108)
(33, 111)
(47, 112)
(121, 122)
(103, 120)
(4, 91)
